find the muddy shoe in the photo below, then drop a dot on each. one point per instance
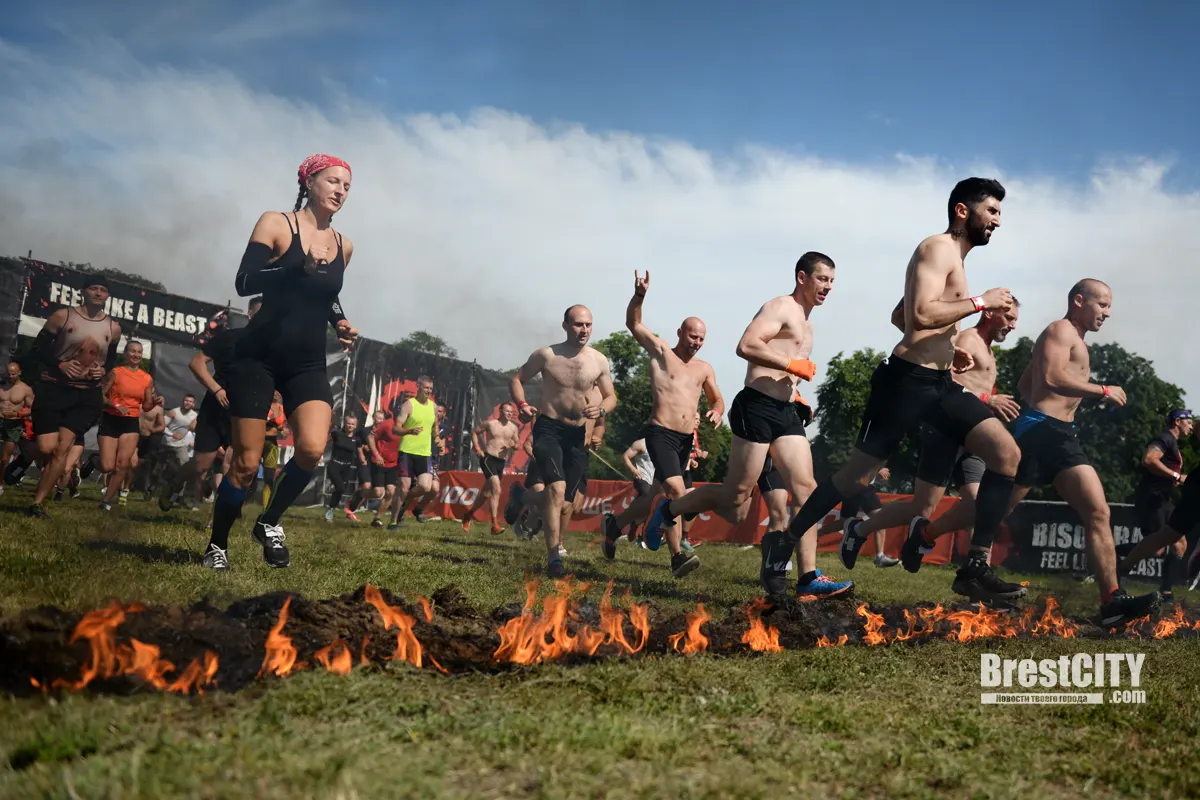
(977, 581)
(683, 564)
(555, 568)
(1122, 608)
(275, 552)
(776, 555)
(612, 532)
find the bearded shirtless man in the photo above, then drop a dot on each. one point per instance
(943, 461)
(768, 419)
(677, 377)
(1056, 381)
(16, 401)
(914, 385)
(569, 371)
(501, 437)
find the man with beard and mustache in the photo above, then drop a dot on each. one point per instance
(676, 379)
(1054, 384)
(570, 371)
(944, 461)
(768, 418)
(914, 385)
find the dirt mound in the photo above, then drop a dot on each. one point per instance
(124, 648)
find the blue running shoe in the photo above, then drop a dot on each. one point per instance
(652, 533)
(822, 587)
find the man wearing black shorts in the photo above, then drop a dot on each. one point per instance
(77, 347)
(1054, 384)
(384, 443)
(767, 419)
(16, 402)
(569, 370)
(501, 437)
(677, 377)
(1162, 524)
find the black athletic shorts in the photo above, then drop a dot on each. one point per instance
(904, 395)
(533, 475)
(412, 466)
(252, 386)
(561, 453)
(56, 407)
(866, 501)
(642, 488)
(492, 466)
(114, 427)
(669, 451)
(758, 417)
(12, 430)
(1152, 509)
(382, 477)
(1048, 446)
(148, 445)
(364, 474)
(1186, 515)
(770, 479)
(214, 428)
(944, 463)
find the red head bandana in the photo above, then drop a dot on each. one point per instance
(317, 162)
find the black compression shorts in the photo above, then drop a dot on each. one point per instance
(943, 462)
(533, 475)
(492, 466)
(114, 427)
(669, 451)
(56, 407)
(414, 466)
(213, 426)
(1048, 446)
(561, 453)
(758, 417)
(642, 488)
(252, 388)
(382, 477)
(148, 445)
(364, 475)
(903, 395)
(866, 502)
(770, 479)
(1152, 509)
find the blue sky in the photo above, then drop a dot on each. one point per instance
(1048, 88)
(514, 158)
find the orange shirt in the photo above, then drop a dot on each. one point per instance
(128, 390)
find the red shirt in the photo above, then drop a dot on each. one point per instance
(387, 443)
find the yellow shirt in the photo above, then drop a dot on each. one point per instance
(423, 416)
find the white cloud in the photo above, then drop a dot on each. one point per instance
(483, 229)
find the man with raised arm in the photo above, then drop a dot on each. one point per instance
(677, 377)
(569, 370)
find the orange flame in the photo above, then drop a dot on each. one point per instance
(695, 641)
(612, 623)
(532, 638)
(280, 657)
(872, 627)
(195, 676)
(339, 663)
(1167, 627)
(408, 648)
(426, 607)
(761, 638)
(1053, 624)
(824, 641)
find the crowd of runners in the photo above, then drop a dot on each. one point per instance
(991, 444)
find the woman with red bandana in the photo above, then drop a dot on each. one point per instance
(296, 261)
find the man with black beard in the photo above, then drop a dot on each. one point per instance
(914, 385)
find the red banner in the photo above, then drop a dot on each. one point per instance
(461, 489)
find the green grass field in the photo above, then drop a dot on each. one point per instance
(889, 721)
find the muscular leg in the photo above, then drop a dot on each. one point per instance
(53, 449)
(730, 499)
(126, 451)
(248, 438)
(991, 441)
(854, 476)
(490, 495)
(675, 489)
(792, 456)
(1080, 487)
(554, 505)
(309, 422)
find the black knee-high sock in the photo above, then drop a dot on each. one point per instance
(1172, 566)
(335, 498)
(293, 480)
(227, 507)
(819, 503)
(991, 504)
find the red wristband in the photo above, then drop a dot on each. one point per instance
(985, 397)
(977, 302)
(1107, 391)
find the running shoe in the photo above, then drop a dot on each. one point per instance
(915, 548)
(822, 587)
(215, 559)
(1122, 607)
(275, 552)
(852, 542)
(684, 564)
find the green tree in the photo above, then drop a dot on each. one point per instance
(429, 343)
(841, 400)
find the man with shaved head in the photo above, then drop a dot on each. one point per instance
(676, 380)
(768, 417)
(570, 371)
(1056, 381)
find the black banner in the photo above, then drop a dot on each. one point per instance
(1049, 537)
(142, 313)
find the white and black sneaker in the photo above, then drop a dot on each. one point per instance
(776, 556)
(913, 551)
(275, 552)
(215, 559)
(1122, 608)
(852, 542)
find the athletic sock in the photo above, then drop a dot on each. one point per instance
(227, 507)
(819, 503)
(1171, 566)
(806, 578)
(991, 505)
(293, 480)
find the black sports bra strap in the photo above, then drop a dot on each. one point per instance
(289, 222)
(339, 238)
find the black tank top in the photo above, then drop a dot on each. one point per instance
(288, 332)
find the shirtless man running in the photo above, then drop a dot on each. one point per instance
(914, 385)
(16, 401)
(676, 379)
(767, 419)
(942, 460)
(501, 437)
(569, 371)
(1054, 384)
